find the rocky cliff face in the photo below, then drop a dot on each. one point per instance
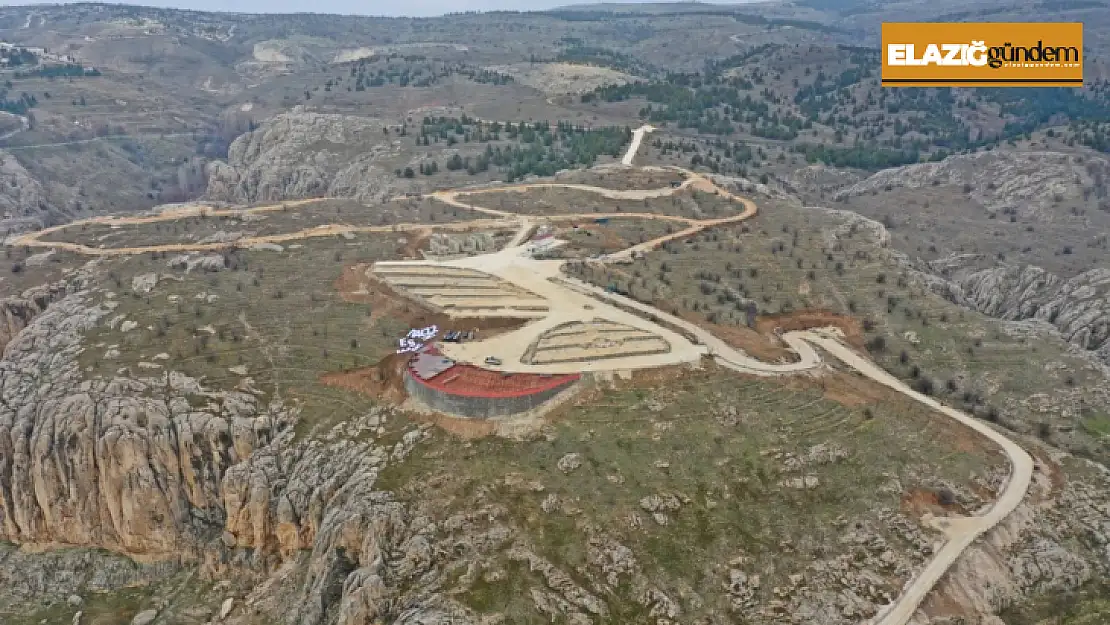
(17, 312)
(125, 464)
(1078, 307)
(22, 195)
(1028, 183)
(164, 468)
(302, 154)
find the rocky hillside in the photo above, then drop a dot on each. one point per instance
(23, 195)
(302, 154)
(17, 312)
(126, 464)
(1078, 307)
(59, 182)
(1028, 183)
(166, 468)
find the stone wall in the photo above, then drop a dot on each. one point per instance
(478, 407)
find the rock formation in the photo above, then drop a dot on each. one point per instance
(129, 464)
(1078, 307)
(126, 464)
(1026, 182)
(17, 312)
(302, 154)
(21, 195)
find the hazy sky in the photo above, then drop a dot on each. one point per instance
(363, 7)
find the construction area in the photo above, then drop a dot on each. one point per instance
(593, 340)
(461, 292)
(572, 328)
(470, 391)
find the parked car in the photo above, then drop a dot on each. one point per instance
(490, 360)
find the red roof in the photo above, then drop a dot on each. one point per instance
(470, 381)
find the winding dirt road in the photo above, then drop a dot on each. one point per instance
(637, 139)
(689, 342)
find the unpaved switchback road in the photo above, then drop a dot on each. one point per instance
(722, 352)
(963, 533)
(637, 139)
(689, 341)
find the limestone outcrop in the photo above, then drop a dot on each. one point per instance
(17, 312)
(302, 154)
(1079, 307)
(1026, 182)
(125, 464)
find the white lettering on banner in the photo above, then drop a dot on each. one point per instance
(408, 345)
(416, 338)
(951, 54)
(423, 333)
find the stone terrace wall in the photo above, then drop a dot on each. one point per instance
(478, 407)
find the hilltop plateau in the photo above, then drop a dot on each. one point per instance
(615, 313)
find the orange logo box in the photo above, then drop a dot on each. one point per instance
(983, 54)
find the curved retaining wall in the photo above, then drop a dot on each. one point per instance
(477, 406)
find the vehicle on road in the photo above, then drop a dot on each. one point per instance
(490, 360)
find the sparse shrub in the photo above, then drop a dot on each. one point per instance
(946, 497)
(1044, 430)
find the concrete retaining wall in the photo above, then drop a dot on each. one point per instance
(478, 407)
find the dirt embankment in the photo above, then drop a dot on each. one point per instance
(385, 380)
(414, 242)
(918, 502)
(760, 341)
(357, 284)
(760, 346)
(844, 388)
(810, 319)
